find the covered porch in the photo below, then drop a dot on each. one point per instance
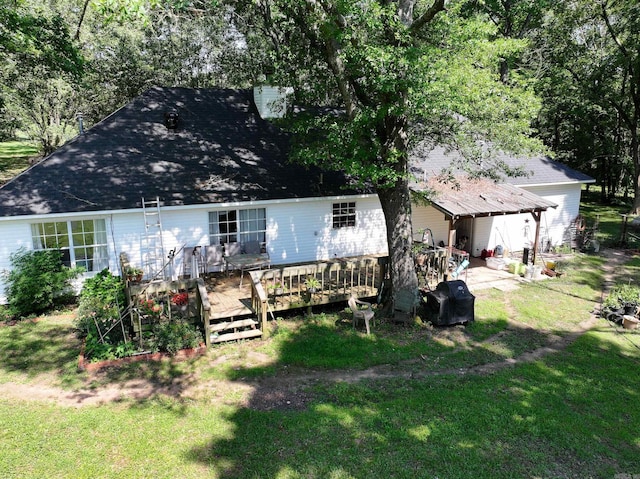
(461, 204)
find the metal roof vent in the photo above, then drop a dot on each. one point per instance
(171, 118)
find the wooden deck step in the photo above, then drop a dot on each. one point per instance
(249, 333)
(240, 323)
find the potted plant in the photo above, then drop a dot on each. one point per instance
(312, 284)
(181, 301)
(277, 288)
(134, 274)
(623, 299)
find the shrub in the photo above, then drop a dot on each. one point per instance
(38, 281)
(101, 299)
(171, 336)
(95, 350)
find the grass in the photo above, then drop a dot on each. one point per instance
(609, 217)
(15, 157)
(569, 414)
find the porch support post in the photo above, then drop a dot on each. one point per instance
(537, 215)
(452, 234)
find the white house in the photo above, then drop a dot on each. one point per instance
(221, 173)
(544, 198)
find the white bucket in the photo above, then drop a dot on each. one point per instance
(495, 263)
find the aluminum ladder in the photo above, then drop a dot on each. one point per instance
(153, 247)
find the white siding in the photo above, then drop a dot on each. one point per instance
(297, 231)
(513, 232)
(423, 217)
(302, 231)
(555, 221)
(13, 236)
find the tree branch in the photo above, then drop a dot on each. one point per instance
(614, 37)
(76, 37)
(427, 16)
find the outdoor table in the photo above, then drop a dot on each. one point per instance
(247, 262)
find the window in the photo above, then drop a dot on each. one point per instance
(235, 226)
(344, 214)
(82, 243)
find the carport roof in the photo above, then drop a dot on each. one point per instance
(470, 198)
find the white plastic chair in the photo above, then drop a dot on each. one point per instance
(361, 311)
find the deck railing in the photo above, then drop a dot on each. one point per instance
(162, 291)
(285, 288)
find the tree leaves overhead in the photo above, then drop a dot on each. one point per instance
(364, 59)
(591, 88)
(31, 40)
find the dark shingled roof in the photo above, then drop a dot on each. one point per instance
(429, 161)
(221, 151)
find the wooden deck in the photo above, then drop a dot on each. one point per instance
(226, 298)
(231, 310)
(231, 299)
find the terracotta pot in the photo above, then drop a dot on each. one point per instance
(630, 322)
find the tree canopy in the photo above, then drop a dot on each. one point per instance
(400, 72)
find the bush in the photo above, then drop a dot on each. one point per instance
(38, 281)
(101, 299)
(98, 351)
(173, 335)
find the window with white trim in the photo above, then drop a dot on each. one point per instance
(344, 214)
(82, 243)
(238, 226)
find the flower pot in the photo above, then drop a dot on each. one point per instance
(312, 290)
(630, 322)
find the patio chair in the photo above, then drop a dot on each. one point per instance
(192, 262)
(214, 258)
(232, 249)
(361, 311)
(252, 247)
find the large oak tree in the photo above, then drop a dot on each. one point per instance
(400, 71)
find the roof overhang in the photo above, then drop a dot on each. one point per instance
(474, 198)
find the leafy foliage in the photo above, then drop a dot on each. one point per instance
(40, 73)
(591, 67)
(38, 281)
(101, 299)
(173, 335)
(622, 295)
(96, 350)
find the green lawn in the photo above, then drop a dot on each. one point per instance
(573, 413)
(15, 157)
(609, 216)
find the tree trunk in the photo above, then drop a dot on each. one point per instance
(635, 156)
(396, 205)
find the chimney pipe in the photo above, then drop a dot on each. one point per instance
(80, 124)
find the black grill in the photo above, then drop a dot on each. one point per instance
(450, 303)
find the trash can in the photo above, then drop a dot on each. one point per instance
(450, 303)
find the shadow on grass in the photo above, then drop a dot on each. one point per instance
(560, 415)
(564, 416)
(50, 346)
(36, 347)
